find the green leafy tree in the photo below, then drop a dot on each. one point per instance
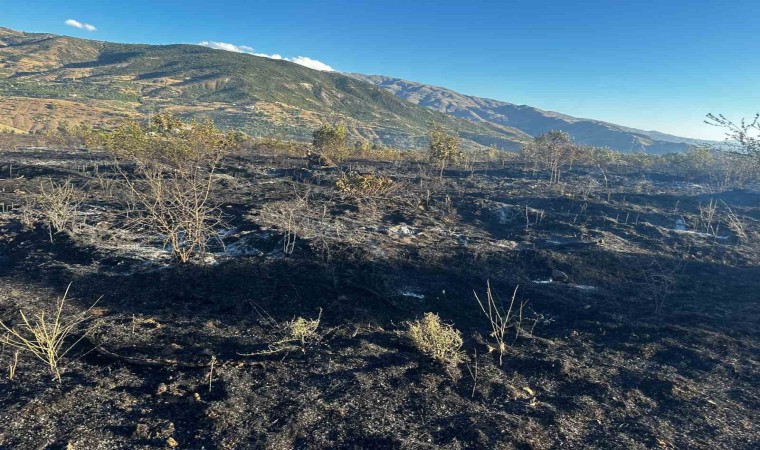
(331, 141)
(443, 148)
(128, 140)
(171, 143)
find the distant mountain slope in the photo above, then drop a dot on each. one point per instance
(532, 121)
(45, 79)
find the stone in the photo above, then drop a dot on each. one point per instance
(558, 275)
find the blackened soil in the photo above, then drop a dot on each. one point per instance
(651, 343)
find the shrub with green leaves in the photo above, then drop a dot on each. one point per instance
(331, 141)
(436, 339)
(171, 143)
(443, 148)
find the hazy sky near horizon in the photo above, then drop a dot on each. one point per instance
(652, 64)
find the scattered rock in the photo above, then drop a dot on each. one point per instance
(558, 275)
(142, 431)
(171, 349)
(316, 159)
(167, 430)
(401, 230)
(510, 245)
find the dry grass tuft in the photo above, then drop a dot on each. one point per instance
(44, 337)
(56, 204)
(501, 319)
(735, 224)
(297, 334)
(436, 339)
(362, 186)
(305, 330)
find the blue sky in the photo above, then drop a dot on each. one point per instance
(649, 64)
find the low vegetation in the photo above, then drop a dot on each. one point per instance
(297, 334)
(169, 189)
(619, 254)
(443, 148)
(501, 318)
(56, 204)
(305, 331)
(47, 337)
(439, 340)
(364, 185)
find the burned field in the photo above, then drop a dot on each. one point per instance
(638, 297)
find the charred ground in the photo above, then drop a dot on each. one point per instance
(600, 368)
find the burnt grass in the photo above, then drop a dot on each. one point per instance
(595, 365)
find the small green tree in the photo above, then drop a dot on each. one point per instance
(362, 147)
(170, 186)
(165, 122)
(170, 143)
(551, 151)
(331, 141)
(443, 148)
(128, 141)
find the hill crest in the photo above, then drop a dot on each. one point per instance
(531, 120)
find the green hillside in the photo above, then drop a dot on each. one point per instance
(255, 94)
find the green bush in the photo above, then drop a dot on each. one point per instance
(330, 140)
(443, 148)
(438, 340)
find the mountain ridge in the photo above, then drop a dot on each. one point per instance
(39, 72)
(531, 120)
(48, 79)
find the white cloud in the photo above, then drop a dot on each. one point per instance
(80, 25)
(302, 60)
(228, 47)
(311, 63)
(264, 55)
